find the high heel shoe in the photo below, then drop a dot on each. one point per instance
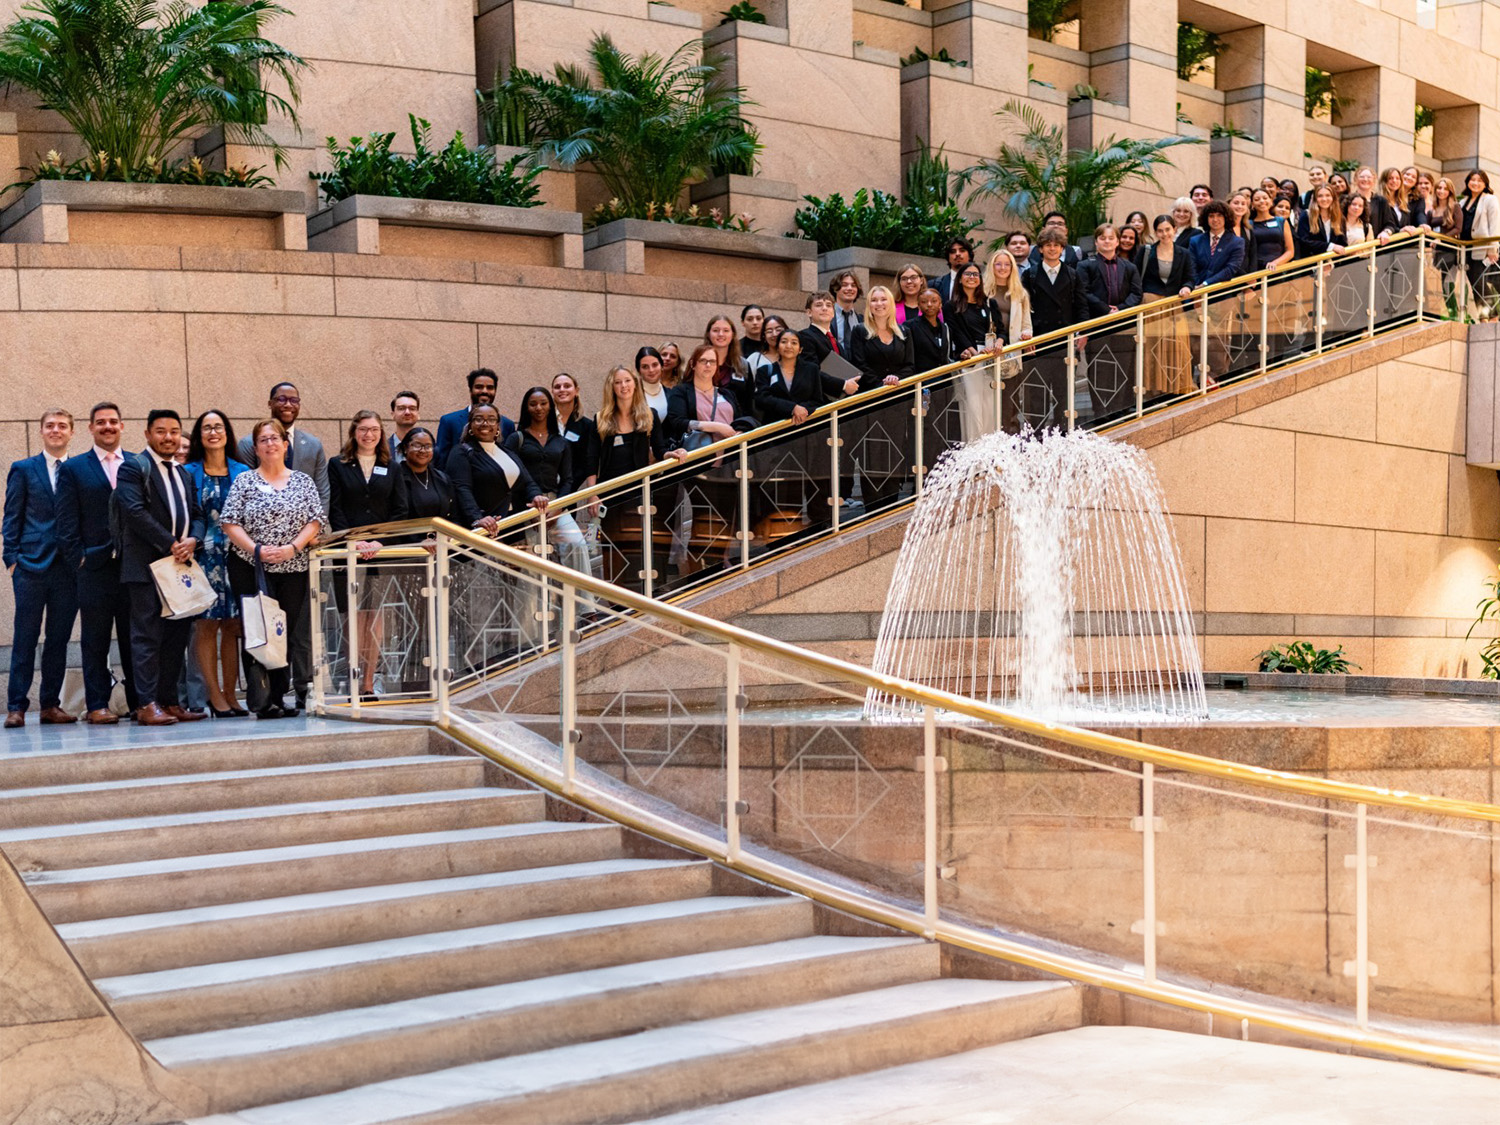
(231, 713)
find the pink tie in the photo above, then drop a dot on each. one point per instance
(111, 467)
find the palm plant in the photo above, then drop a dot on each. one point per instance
(136, 78)
(1039, 172)
(648, 125)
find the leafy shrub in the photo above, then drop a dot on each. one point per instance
(713, 218)
(1044, 17)
(456, 172)
(1319, 93)
(1302, 657)
(502, 112)
(103, 168)
(1195, 49)
(744, 11)
(1489, 610)
(878, 220)
(1218, 130)
(918, 55)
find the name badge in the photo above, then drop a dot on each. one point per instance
(378, 471)
(619, 439)
(265, 488)
(571, 436)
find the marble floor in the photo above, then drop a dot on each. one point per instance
(75, 738)
(1128, 1076)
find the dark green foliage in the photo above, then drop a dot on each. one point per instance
(1302, 657)
(103, 168)
(744, 11)
(136, 78)
(1195, 48)
(1489, 611)
(713, 218)
(456, 172)
(1044, 17)
(878, 220)
(502, 113)
(1320, 93)
(918, 55)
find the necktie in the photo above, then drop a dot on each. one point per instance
(288, 450)
(834, 344)
(1213, 245)
(176, 500)
(112, 468)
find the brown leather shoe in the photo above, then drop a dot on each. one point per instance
(183, 715)
(15, 719)
(51, 715)
(101, 718)
(153, 716)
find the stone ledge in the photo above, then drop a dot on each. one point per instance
(932, 68)
(477, 231)
(870, 264)
(41, 214)
(739, 29)
(671, 250)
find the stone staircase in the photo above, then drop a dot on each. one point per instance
(349, 925)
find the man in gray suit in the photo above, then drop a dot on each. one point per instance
(304, 453)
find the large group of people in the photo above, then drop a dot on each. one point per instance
(80, 533)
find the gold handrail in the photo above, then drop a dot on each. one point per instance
(1279, 780)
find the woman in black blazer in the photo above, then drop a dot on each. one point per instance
(723, 417)
(881, 350)
(577, 428)
(364, 489)
(429, 490)
(931, 338)
(490, 483)
(968, 313)
(548, 456)
(1169, 272)
(793, 387)
(1167, 257)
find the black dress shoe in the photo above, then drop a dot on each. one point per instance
(272, 711)
(290, 712)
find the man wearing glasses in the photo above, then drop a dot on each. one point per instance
(305, 454)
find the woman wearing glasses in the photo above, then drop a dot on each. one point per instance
(216, 635)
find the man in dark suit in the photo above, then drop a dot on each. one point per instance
(1057, 221)
(817, 338)
(1040, 397)
(960, 254)
(85, 484)
(483, 385)
(304, 452)
(846, 291)
(1217, 253)
(46, 593)
(158, 515)
(406, 412)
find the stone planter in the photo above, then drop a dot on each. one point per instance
(771, 204)
(701, 254)
(874, 267)
(231, 218)
(436, 228)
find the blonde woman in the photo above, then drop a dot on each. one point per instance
(881, 351)
(1009, 303)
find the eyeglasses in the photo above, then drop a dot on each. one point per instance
(419, 447)
(287, 400)
(213, 429)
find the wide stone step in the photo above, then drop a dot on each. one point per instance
(699, 1063)
(250, 1066)
(274, 785)
(146, 943)
(92, 843)
(78, 894)
(262, 990)
(135, 752)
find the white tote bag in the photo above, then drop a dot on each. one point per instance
(183, 588)
(264, 624)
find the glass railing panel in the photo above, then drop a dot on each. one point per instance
(1441, 296)
(875, 456)
(1041, 841)
(791, 490)
(1171, 354)
(494, 616)
(1109, 366)
(613, 531)
(1034, 392)
(696, 522)
(1290, 299)
(1398, 282)
(1231, 346)
(1346, 299)
(1482, 271)
(1431, 915)
(1245, 893)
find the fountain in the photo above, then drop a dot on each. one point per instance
(1042, 574)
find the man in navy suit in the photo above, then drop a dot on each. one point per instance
(85, 484)
(45, 590)
(1217, 253)
(483, 385)
(158, 516)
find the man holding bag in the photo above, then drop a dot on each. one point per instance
(158, 517)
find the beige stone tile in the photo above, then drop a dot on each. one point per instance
(1258, 567)
(1340, 408)
(546, 34)
(834, 160)
(490, 304)
(1228, 470)
(1426, 657)
(74, 357)
(1359, 484)
(219, 259)
(1473, 500)
(360, 362)
(1240, 653)
(1430, 576)
(157, 291)
(682, 320)
(10, 290)
(861, 588)
(344, 100)
(97, 256)
(1421, 407)
(391, 33)
(403, 268)
(1191, 534)
(524, 357)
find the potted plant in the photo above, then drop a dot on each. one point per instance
(379, 201)
(648, 127)
(134, 79)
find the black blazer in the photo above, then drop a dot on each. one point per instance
(625, 453)
(481, 488)
(682, 410)
(1181, 275)
(355, 502)
(931, 347)
(1384, 219)
(1096, 292)
(146, 518)
(810, 389)
(436, 500)
(815, 343)
(550, 464)
(1055, 306)
(968, 325)
(877, 361)
(83, 494)
(1070, 257)
(1306, 244)
(583, 436)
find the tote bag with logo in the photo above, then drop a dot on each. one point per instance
(264, 623)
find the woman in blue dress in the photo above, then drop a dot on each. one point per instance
(216, 635)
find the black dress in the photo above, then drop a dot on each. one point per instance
(969, 324)
(625, 453)
(931, 346)
(550, 464)
(429, 495)
(878, 361)
(584, 438)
